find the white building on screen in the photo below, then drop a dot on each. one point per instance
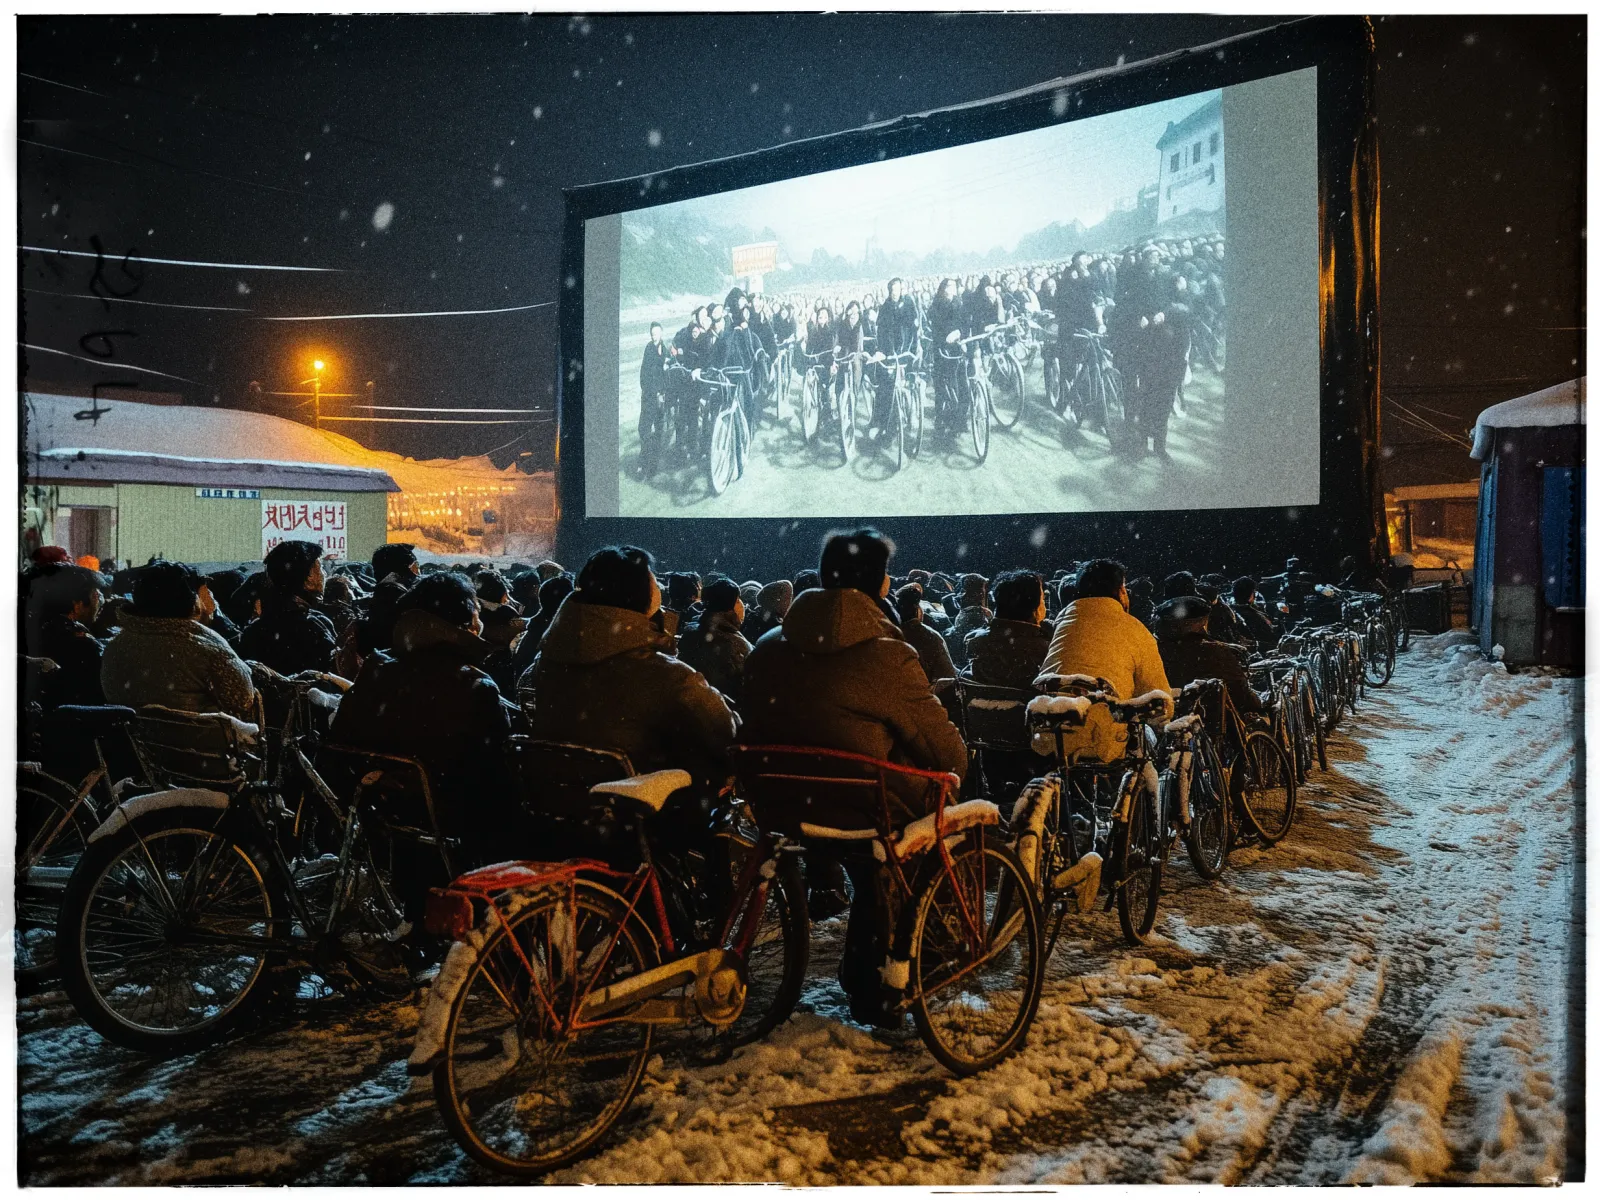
(1191, 177)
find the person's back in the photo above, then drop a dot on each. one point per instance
(1188, 653)
(427, 699)
(395, 566)
(932, 651)
(290, 635)
(162, 655)
(714, 646)
(552, 592)
(837, 675)
(1097, 637)
(1008, 652)
(602, 678)
(972, 615)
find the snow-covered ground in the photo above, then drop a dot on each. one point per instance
(1382, 998)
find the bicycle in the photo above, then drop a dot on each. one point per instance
(1294, 718)
(55, 820)
(1132, 831)
(1094, 393)
(1366, 614)
(186, 900)
(964, 399)
(1259, 774)
(825, 386)
(908, 399)
(965, 959)
(1011, 352)
(540, 1023)
(727, 448)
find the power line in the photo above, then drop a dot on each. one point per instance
(111, 366)
(180, 262)
(128, 300)
(464, 312)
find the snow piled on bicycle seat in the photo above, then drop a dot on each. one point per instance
(1381, 998)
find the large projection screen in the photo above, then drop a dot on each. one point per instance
(1153, 272)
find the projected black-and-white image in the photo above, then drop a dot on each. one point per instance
(1034, 323)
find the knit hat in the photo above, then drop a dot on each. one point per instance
(776, 597)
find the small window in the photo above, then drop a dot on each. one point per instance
(1174, 210)
(1176, 162)
(1195, 157)
(1169, 192)
(1216, 142)
(1211, 173)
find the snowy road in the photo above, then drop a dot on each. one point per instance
(1382, 998)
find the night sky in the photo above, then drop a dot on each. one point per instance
(279, 140)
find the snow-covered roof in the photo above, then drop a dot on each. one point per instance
(179, 439)
(91, 465)
(1553, 407)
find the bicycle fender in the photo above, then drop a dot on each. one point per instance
(131, 810)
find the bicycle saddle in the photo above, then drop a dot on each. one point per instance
(1052, 682)
(1058, 710)
(94, 720)
(1152, 706)
(650, 790)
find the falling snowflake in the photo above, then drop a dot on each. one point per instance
(653, 138)
(1039, 536)
(538, 112)
(498, 181)
(383, 216)
(308, 156)
(1058, 102)
(242, 288)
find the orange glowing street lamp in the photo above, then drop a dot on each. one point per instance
(315, 381)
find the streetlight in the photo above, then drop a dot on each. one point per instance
(315, 381)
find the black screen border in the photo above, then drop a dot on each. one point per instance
(1346, 521)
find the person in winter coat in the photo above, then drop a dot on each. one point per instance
(972, 616)
(163, 655)
(396, 568)
(713, 645)
(290, 635)
(338, 603)
(603, 677)
(551, 593)
(1247, 608)
(1097, 636)
(427, 699)
(838, 675)
(1009, 651)
(1188, 653)
(932, 652)
(772, 605)
(61, 608)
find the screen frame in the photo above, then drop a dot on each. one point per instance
(1347, 519)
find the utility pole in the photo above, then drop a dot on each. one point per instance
(372, 412)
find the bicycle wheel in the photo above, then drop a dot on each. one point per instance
(1052, 382)
(722, 463)
(518, 1087)
(973, 1006)
(1116, 413)
(142, 939)
(1006, 396)
(899, 412)
(1206, 838)
(1138, 884)
(1312, 723)
(916, 405)
(1266, 788)
(978, 418)
(1380, 656)
(846, 431)
(52, 830)
(775, 968)
(809, 411)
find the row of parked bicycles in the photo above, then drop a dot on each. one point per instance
(707, 417)
(250, 857)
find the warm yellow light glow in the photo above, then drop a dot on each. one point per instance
(317, 366)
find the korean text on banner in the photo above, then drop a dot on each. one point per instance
(321, 521)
